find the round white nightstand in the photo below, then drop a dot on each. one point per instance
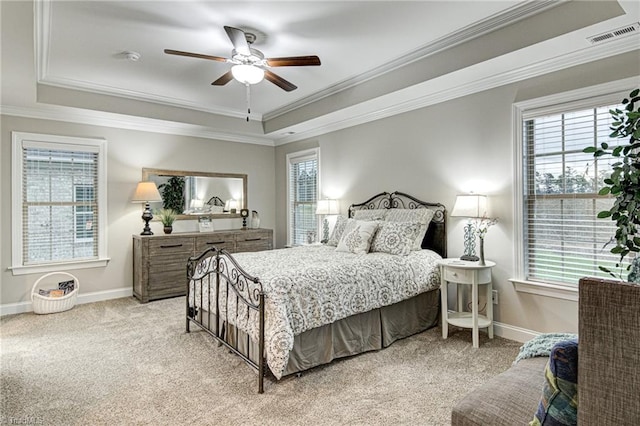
(462, 272)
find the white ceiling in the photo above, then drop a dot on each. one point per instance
(79, 45)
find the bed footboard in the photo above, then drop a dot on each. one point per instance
(221, 294)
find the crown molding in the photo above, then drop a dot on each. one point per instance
(42, 12)
(475, 30)
(120, 121)
(422, 95)
(141, 96)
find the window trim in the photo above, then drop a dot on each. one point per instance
(55, 142)
(293, 156)
(612, 92)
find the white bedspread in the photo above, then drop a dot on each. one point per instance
(310, 286)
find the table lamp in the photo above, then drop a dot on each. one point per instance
(146, 192)
(326, 207)
(471, 206)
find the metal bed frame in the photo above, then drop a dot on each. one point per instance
(247, 290)
(220, 266)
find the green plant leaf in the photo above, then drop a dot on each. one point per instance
(604, 191)
(604, 214)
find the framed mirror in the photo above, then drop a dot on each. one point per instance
(193, 194)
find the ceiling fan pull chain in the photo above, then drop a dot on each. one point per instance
(248, 100)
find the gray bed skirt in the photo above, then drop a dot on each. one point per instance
(368, 331)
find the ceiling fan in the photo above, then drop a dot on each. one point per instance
(249, 64)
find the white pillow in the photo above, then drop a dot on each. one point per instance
(357, 236)
(396, 237)
(422, 216)
(370, 214)
(338, 229)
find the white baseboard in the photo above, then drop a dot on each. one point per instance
(512, 332)
(96, 296)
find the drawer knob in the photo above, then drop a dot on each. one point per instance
(455, 274)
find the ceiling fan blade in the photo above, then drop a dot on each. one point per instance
(195, 55)
(279, 81)
(239, 40)
(293, 61)
(224, 79)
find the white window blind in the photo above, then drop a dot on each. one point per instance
(59, 203)
(563, 238)
(303, 196)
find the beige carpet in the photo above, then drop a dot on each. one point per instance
(124, 363)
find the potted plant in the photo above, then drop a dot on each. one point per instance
(167, 216)
(624, 183)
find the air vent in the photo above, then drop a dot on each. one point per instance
(619, 32)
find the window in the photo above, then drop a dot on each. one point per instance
(560, 239)
(303, 184)
(84, 211)
(59, 203)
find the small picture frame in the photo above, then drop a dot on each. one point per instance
(205, 224)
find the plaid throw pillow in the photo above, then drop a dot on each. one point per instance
(559, 403)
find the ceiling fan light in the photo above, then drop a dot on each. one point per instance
(247, 74)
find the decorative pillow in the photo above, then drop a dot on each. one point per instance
(559, 402)
(338, 229)
(422, 216)
(395, 237)
(357, 236)
(370, 214)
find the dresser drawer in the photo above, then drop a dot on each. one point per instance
(254, 240)
(458, 275)
(225, 241)
(170, 254)
(170, 246)
(168, 283)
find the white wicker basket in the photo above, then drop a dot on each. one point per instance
(49, 305)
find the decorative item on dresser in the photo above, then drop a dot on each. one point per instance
(245, 214)
(158, 261)
(323, 302)
(167, 217)
(255, 219)
(146, 192)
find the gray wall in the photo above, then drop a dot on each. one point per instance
(446, 149)
(128, 152)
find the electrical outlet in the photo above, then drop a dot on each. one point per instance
(494, 296)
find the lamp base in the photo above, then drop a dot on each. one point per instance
(469, 258)
(146, 216)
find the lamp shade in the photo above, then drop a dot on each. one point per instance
(196, 203)
(327, 206)
(471, 205)
(247, 74)
(146, 192)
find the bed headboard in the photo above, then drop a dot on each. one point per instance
(436, 236)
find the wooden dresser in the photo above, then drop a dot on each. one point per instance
(160, 261)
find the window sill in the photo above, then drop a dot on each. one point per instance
(57, 267)
(544, 289)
